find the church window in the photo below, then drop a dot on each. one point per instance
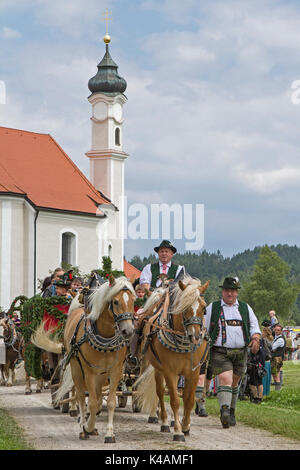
(117, 136)
(68, 248)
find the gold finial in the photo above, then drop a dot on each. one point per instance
(107, 18)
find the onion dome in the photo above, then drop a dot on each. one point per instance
(107, 79)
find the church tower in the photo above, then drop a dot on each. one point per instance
(106, 155)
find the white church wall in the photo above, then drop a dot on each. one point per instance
(16, 249)
(29, 218)
(51, 226)
(5, 252)
(18, 267)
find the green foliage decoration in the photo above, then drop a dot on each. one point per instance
(32, 315)
(107, 269)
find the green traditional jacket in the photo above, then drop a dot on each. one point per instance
(155, 271)
(214, 321)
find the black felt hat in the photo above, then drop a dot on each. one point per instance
(165, 244)
(231, 283)
(65, 280)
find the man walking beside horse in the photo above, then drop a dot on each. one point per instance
(232, 326)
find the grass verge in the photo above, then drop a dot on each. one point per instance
(11, 435)
(279, 412)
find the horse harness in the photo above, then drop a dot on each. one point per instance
(95, 340)
(171, 339)
(12, 338)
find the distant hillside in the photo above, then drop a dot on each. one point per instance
(215, 266)
(205, 265)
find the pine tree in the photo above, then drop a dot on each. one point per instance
(268, 288)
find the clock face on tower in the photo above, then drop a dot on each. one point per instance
(100, 111)
(118, 111)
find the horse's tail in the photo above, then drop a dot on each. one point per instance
(66, 385)
(146, 390)
(42, 340)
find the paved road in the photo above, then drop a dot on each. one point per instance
(49, 429)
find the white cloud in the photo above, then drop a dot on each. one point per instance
(8, 33)
(267, 182)
(209, 117)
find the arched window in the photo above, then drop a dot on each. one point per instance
(68, 248)
(117, 136)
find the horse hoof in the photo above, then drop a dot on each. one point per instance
(109, 440)
(94, 432)
(28, 392)
(186, 433)
(152, 420)
(38, 391)
(73, 413)
(164, 428)
(172, 424)
(83, 436)
(179, 438)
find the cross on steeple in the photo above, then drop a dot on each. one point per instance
(107, 17)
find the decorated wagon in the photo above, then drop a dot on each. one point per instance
(52, 313)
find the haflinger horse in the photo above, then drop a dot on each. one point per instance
(176, 344)
(96, 345)
(12, 341)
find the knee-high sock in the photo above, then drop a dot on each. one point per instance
(224, 395)
(200, 396)
(235, 395)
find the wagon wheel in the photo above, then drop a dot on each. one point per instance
(122, 401)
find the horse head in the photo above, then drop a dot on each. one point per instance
(122, 307)
(190, 304)
(116, 296)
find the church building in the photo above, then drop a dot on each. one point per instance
(50, 213)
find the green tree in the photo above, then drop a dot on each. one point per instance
(268, 287)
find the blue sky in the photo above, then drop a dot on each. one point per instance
(209, 120)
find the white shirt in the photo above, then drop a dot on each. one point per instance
(278, 342)
(234, 334)
(146, 276)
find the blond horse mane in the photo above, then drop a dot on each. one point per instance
(154, 298)
(104, 294)
(183, 299)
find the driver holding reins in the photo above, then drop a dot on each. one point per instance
(151, 275)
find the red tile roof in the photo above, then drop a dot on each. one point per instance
(35, 166)
(130, 270)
